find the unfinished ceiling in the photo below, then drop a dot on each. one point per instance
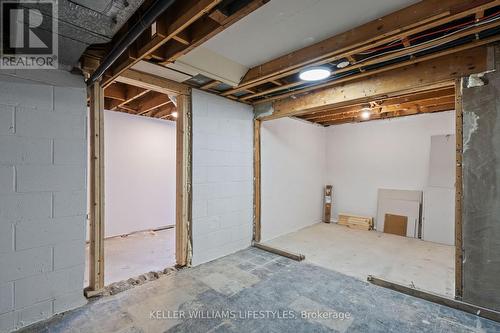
(282, 26)
(434, 100)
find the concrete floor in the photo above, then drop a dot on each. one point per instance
(136, 254)
(358, 253)
(286, 294)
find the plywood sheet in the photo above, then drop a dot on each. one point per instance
(395, 224)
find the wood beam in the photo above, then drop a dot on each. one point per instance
(152, 82)
(443, 70)
(186, 12)
(407, 21)
(154, 100)
(116, 91)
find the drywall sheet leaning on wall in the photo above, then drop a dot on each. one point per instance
(481, 193)
(222, 176)
(293, 172)
(140, 173)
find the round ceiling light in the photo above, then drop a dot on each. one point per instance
(366, 113)
(174, 114)
(315, 74)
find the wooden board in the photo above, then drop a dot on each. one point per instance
(356, 222)
(327, 211)
(395, 224)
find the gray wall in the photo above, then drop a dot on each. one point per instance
(481, 193)
(42, 195)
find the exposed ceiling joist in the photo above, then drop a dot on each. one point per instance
(443, 70)
(417, 33)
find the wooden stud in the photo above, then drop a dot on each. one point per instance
(458, 189)
(96, 184)
(256, 181)
(281, 252)
(183, 181)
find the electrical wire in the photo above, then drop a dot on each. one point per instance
(431, 33)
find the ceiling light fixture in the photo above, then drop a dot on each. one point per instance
(314, 74)
(174, 114)
(366, 113)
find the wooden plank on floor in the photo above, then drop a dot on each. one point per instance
(281, 252)
(431, 297)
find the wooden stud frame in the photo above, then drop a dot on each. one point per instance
(458, 190)
(96, 187)
(256, 181)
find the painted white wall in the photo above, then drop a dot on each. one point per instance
(293, 174)
(222, 176)
(139, 173)
(42, 195)
(392, 154)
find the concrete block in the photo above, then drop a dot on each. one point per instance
(199, 174)
(70, 100)
(24, 150)
(26, 95)
(25, 206)
(69, 301)
(49, 124)
(6, 297)
(6, 237)
(70, 203)
(49, 232)
(50, 178)
(21, 264)
(199, 208)
(33, 313)
(69, 254)
(70, 151)
(207, 225)
(7, 322)
(6, 179)
(47, 286)
(6, 120)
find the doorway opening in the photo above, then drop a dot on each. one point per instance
(391, 163)
(139, 171)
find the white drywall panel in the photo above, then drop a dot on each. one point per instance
(293, 172)
(442, 161)
(139, 159)
(42, 195)
(394, 154)
(439, 215)
(222, 176)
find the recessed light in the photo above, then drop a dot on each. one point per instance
(366, 113)
(314, 74)
(174, 114)
(343, 64)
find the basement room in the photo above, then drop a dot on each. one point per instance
(259, 166)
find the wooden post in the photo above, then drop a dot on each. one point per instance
(96, 184)
(256, 181)
(458, 190)
(183, 181)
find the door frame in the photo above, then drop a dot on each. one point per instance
(96, 187)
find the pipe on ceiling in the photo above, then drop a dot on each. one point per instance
(149, 17)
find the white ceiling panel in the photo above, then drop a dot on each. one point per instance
(282, 26)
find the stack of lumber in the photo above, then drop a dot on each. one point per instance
(356, 222)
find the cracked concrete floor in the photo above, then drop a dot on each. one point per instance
(255, 291)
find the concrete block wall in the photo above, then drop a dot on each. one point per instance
(222, 176)
(42, 195)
